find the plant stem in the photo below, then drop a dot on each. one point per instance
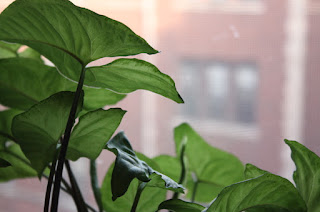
(195, 187)
(183, 167)
(141, 186)
(95, 184)
(49, 184)
(81, 206)
(64, 145)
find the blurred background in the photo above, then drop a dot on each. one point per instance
(247, 70)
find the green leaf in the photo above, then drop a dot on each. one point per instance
(128, 75)
(128, 166)
(76, 31)
(150, 198)
(24, 82)
(252, 171)
(307, 174)
(39, 129)
(267, 191)
(8, 50)
(213, 168)
(20, 165)
(91, 134)
(178, 205)
(169, 166)
(4, 163)
(6, 117)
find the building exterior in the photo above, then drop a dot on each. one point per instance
(247, 70)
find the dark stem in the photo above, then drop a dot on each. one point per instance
(95, 184)
(65, 142)
(183, 168)
(49, 184)
(81, 205)
(195, 187)
(141, 186)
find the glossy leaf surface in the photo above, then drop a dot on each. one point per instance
(128, 75)
(178, 205)
(93, 131)
(214, 168)
(39, 129)
(77, 31)
(128, 166)
(25, 82)
(268, 191)
(307, 174)
(252, 171)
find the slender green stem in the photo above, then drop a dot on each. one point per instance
(141, 186)
(95, 184)
(195, 186)
(81, 206)
(183, 168)
(65, 142)
(49, 184)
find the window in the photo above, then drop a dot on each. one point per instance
(220, 91)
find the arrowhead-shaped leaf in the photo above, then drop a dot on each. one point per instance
(91, 134)
(150, 198)
(39, 129)
(128, 166)
(268, 191)
(178, 205)
(214, 168)
(25, 82)
(307, 174)
(76, 31)
(127, 75)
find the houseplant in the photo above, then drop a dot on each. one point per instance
(37, 137)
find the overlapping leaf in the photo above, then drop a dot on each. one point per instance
(178, 205)
(150, 198)
(11, 152)
(25, 82)
(92, 132)
(213, 168)
(39, 129)
(307, 174)
(267, 192)
(127, 75)
(128, 166)
(77, 31)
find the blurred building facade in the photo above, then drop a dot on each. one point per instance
(247, 70)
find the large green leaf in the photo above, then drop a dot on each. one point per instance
(307, 174)
(178, 205)
(128, 166)
(39, 129)
(92, 132)
(127, 75)
(268, 192)
(149, 200)
(213, 168)
(77, 31)
(25, 82)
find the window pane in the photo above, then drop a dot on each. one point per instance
(246, 93)
(217, 79)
